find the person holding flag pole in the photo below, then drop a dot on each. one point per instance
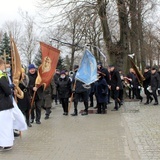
(83, 77)
(41, 79)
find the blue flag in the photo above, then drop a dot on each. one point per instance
(87, 72)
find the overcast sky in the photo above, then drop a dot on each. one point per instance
(9, 9)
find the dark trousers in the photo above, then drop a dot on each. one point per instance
(101, 107)
(46, 105)
(26, 114)
(84, 96)
(137, 93)
(37, 109)
(115, 96)
(64, 102)
(121, 95)
(109, 95)
(148, 95)
(91, 99)
(154, 93)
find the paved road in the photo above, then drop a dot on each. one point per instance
(114, 136)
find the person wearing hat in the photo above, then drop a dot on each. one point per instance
(64, 90)
(32, 74)
(146, 84)
(115, 86)
(24, 104)
(155, 84)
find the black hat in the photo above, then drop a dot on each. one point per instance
(147, 67)
(76, 67)
(154, 68)
(57, 70)
(111, 65)
(99, 63)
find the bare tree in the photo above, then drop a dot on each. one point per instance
(129, 16)
(28, 45)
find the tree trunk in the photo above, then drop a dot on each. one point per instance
(118, 52)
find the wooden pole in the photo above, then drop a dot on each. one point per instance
(32, 102)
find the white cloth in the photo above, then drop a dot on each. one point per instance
(19, 122)
(6, 128)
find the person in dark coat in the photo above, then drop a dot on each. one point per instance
(25, 103)
(101, 91)
(47, 101)
(146, 84)
(155, 84)
(64, 90)
(106, 75)
(38, 96)
(115, 86)
(136, 87)
(54, 82)
(81, 90)
(121, 90)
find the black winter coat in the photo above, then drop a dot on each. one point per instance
(147, 81)
(39, 92)
(155, 81)
(5, 93)
(115, 80)
(101, 90)
(25, 103)
(80, 86)
(105, 71)
(64, 87)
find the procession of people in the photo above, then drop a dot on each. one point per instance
(19, 113)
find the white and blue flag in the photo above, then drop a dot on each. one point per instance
(87, 72)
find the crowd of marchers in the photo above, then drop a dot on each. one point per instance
(65, 89)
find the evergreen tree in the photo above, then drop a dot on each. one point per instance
(68, 63)
(61, 64)
(5, 45)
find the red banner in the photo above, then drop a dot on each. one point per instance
(50, 56)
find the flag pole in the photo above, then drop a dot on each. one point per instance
(34, 94)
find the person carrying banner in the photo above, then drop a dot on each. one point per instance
(32, 74)
(79, 91)
(24, 104)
